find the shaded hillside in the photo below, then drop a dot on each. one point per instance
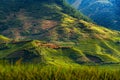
(34, 19)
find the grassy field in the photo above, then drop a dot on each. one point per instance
(38, 72)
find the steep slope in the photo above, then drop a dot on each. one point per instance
(37, 20)
(103, 12)
(67, 37)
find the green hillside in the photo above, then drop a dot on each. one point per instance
(52, 32)
(95, 45)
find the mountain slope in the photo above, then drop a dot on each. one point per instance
(95, 45)
(103, 12)
(87, 50)
(65, 37)
(36, 20)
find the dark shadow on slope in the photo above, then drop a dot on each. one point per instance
(74, 55)
(94, 59)
(23, 56)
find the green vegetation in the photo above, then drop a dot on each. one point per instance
(80, 41)
(50, 41)
(87, 51)
(4, 39)
(38, 72)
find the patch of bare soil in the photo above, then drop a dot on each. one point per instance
(46, 24)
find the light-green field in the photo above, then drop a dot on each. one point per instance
(38, 72)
